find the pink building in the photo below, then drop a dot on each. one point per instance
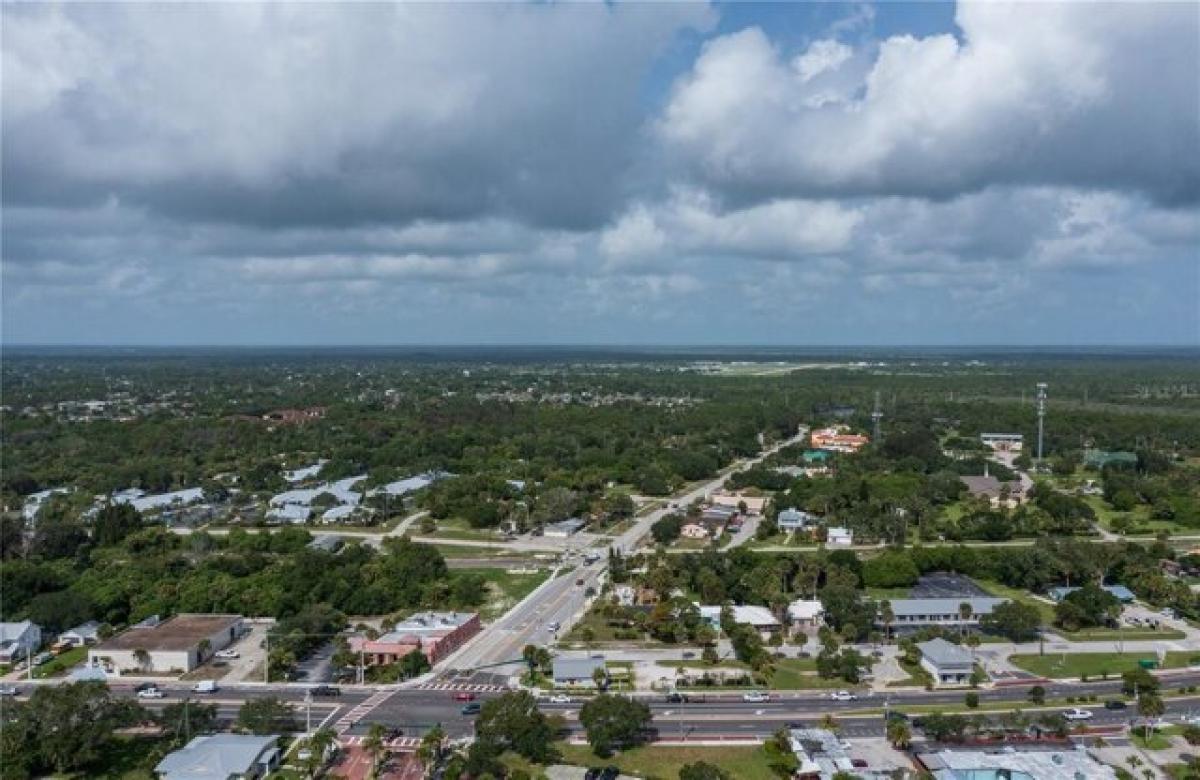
(434, 634)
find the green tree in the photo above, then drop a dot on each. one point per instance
(430, 749)
(185, 719)
(899, 733)
(613, 721)
(413, 663)
(971, 700)
(513, 721)
(114, 522)
(1150, 706)
(1036, 695)
(373, 744)
(1085, 607)
(268, 715)
(1013, 620)
(63, 728)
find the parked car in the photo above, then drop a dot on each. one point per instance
(464, 696)
(843, 696)
(560, 698)
(602, 773)
(8, 690)
(859, 763)
(151, 693)
(326, 690)
(471, 709)
(228, 654)
(756, 696)
(1077, 714)
(43, 658)
(1115, 704)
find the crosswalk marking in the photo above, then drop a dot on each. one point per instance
(399, 743)
(359, 711)
(472, 687)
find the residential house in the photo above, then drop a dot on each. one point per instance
(837, 536)
(576, 672)
(179, 644)
(19, 640)
(806, 615)
(791, 520)
(821, 755)
(222, 757)
(997, 493)
(760, 618)
(1003, 442)
(948, 663)
(694, 530)
(84, 634)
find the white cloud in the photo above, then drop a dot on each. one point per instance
(1074, 94)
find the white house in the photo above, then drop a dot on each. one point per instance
(760, 618)
(694, 531)
(838, 536)
(84, 634)
(19, 640)
(564, 528)
(806, 614)
(576, 672)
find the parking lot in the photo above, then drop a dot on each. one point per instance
(944, 585)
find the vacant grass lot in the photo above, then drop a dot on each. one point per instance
(62, 663)
(664, 763)
(505, 589)
(1058, 665)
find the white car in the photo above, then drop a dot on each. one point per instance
(756, 696)
(1077, 714)
(560, 698)
(842, 696)
(150, 693)
(228, 654)
(8, 690)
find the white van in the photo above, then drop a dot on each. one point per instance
(205, 686)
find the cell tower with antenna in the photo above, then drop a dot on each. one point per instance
(1041, 414)
(877, 415)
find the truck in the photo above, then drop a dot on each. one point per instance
(205, 686)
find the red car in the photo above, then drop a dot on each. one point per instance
(464, 696)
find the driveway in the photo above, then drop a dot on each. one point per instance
(248, 666)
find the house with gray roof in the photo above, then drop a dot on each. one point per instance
(791, 519)
(19, 640)
(221, 757)
(948, 663)
(84, 634)
(576, 672)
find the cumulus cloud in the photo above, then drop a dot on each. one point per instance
(1065, 94)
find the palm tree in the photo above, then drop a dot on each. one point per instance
(373, 744)
(973, 643)
(1133, 761)
(899, 733)
(203, 648)
(965, 612)
(318, 745)
(887, 616)
(142, 657)
(430, 749)
(1150, 706)
(600, 677)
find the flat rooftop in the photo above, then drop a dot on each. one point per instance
(182, 632)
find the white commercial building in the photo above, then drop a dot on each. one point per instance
(176, 645)
(760, 618)
(221, 757)
(948, 663)
(1012, 764)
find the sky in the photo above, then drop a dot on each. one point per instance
(601, 173)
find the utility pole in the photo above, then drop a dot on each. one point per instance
(1041, 415)
(267, 657)
(877, 416)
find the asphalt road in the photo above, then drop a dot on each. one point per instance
(724, 715)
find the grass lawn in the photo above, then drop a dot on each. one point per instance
(1058, 665)
(455, 528)
(62, 663)
(698, 664)
(664, 763)
(799, 673)
(1157, 741)
(1113, 634)
(506, 589)
(461, 551)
